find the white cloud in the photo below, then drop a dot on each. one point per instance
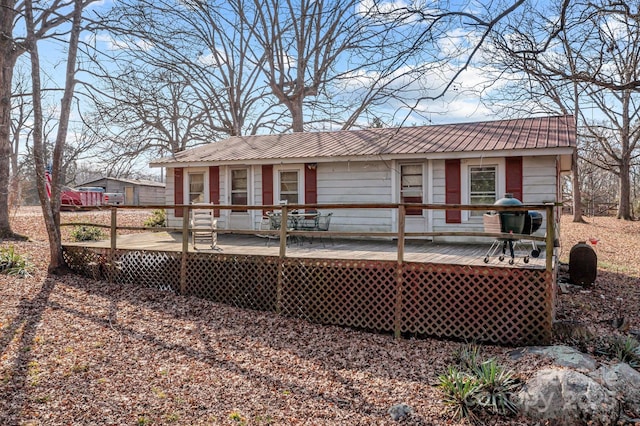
(132, 44)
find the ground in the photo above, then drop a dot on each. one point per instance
(77, 351)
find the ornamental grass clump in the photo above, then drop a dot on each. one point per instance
(12, 263)
(157, 219)
(624, 349)
(86, 233)
(478, 386)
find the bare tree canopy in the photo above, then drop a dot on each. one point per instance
(581, 58)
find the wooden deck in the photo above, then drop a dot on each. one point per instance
(415, 251)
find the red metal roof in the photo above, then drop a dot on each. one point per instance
(515, 134)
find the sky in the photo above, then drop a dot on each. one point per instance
(460, 104)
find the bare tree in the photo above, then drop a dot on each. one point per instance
(51, 206)
(586, 55)
(47, 20)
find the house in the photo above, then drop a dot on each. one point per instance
(136, 192)
(468, 163)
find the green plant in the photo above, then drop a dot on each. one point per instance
(12, 263)
(86, 233)
(468, 356)
(478, 387)
(496, 387)
(626, 349)
(460, 392)
(158, 218)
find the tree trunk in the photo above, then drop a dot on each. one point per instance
(8, 56)
(624, 202)
(575, 187)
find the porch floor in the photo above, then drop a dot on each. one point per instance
(421, 251)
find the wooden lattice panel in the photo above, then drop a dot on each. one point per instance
(240, 281)
(499, 305)
(474, 303)
(152, 269)
(350, 293)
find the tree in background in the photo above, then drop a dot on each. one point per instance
(582, 58)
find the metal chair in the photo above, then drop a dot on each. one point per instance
(203, 227)
(323, 225)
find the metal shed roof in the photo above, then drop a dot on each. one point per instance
(502, 135)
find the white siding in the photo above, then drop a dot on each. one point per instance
(356, 182)
(171, 218)
(539, 179)
(372, 182)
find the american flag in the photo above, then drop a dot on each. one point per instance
(47, 179)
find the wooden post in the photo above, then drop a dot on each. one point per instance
(281, 257)
(551, 235)
(185, 250)
(114, 229)
(399, 272)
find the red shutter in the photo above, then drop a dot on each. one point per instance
(310, 184)
(267, 186)
(453, 193)
(513, 178)
(178, 189)
(214, 187)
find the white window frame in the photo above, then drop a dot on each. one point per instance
(276, 181)
(230, 187)
(423, 194)
(186, 186)
(467, 164)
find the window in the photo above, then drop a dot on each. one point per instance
(289, 186)
(239, 188)
(411, 187)
(196, 188)
(482, 186)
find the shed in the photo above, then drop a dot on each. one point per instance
(136, 192)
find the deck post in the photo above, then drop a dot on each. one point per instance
(551, 235)
(397, 324)
(114, 233)
(185, 250)
(281, 257)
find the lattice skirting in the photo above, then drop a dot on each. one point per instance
(474, 303)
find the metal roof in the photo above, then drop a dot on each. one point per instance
(516, 134)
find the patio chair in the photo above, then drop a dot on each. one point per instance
(275, 223)
(203, 227)
(323, 225)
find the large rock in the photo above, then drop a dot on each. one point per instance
(568, 398)
(623, 380)
(564, 356)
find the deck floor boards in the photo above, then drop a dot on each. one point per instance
(420, 251)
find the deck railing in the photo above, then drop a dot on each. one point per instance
(513, 296)
(400, 235)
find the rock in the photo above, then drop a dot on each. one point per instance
(566, 356)
(400, 412)
(623, 380)
(567, 398)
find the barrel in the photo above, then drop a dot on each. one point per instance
(583, 264)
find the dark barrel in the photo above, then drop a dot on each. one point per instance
(583, 264)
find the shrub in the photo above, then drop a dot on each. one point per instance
(12, 263)
(86, 233)
(496, 387)
(479, 387)
(158, 218)
(624, 349)
(460, 392)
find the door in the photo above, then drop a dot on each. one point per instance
(412, 191)
(128, 196)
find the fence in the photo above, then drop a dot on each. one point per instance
(483, 303)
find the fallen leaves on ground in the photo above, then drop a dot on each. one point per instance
(78, 351)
